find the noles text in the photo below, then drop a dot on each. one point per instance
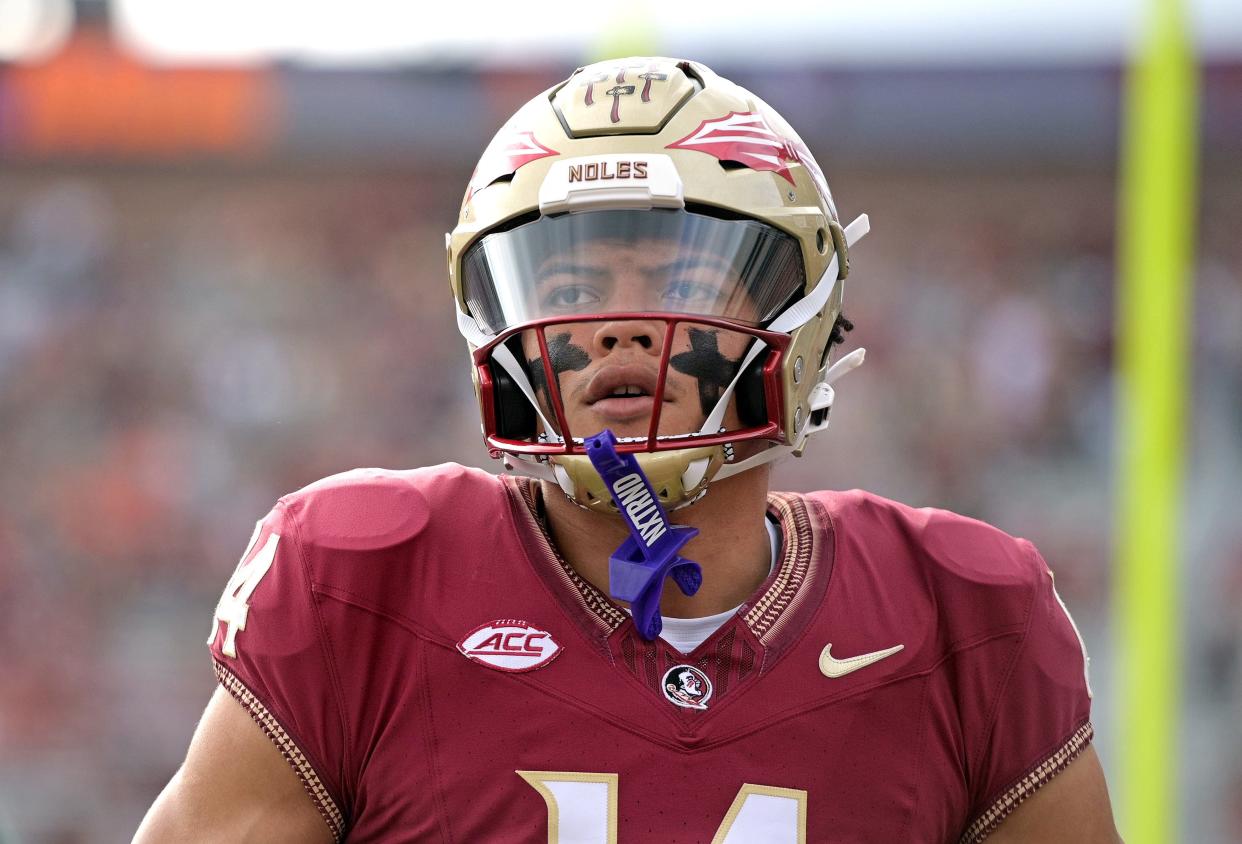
(598, 171)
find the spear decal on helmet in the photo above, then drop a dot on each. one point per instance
(589, 84)
(617, 92)
(647, 79)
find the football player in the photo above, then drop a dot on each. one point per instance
(627, 637)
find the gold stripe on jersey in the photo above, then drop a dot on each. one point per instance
(288, 748)
(795, 565)
(987, 823)
(607, 614)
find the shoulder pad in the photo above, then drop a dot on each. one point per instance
(956, 546)
(372, 509)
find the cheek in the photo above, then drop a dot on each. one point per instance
(567, 348)
(530, 346)
(706, 353)
(733, 346)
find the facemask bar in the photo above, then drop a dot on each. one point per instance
(559, 439)
(554, 395)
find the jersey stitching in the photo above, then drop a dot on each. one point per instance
(271, 726)
(432, 752)
(922, 735)
(357, 601)
(1035, 779)
(990, 724)
(773, 604)
(770, 607)
(594, 712)
(325, 640)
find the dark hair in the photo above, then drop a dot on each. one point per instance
(839, 330)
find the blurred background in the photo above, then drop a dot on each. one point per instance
(222, 277)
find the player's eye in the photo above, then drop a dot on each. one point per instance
(570, 297)
(689, 294)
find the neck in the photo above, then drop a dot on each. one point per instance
(732, 545)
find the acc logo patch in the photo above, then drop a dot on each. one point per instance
(509, 644)
(687, 686)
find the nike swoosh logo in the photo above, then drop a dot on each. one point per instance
(840, 667)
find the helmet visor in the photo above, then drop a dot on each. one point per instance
(651, 261)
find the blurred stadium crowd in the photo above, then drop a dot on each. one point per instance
(180, 346)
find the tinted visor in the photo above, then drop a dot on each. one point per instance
(655, 261)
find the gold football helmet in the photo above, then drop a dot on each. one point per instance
(649, 247)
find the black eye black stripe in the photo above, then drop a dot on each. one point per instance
(704, 361)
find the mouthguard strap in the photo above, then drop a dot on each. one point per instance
(638, 568)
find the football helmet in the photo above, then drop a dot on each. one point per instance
(651, 248)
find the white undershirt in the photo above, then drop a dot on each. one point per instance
(686, 634)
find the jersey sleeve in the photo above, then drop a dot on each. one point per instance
(1041, 719)
(269, 653)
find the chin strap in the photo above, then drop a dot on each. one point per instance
(527, 466)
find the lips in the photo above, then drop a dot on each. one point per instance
(618, 394)
(609, 381)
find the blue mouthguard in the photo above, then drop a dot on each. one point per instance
(637, 569)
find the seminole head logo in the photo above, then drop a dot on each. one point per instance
(687, 686)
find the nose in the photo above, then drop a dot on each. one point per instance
(628, 333)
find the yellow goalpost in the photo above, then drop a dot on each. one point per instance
(1154, 318)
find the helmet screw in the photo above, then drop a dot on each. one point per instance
(798, 369)
(798, 418)
(792, 196)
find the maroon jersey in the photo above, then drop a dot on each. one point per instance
(435, 672)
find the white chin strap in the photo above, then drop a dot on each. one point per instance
(532, 467)
(789, 320)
